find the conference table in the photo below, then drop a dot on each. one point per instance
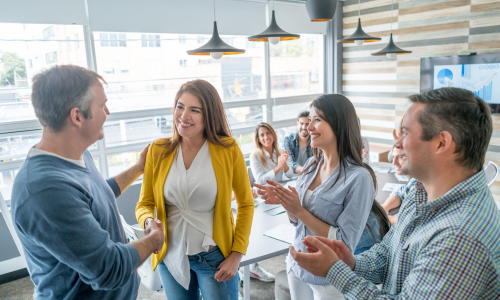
(262, 247)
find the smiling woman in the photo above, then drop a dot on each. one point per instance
(188, 180)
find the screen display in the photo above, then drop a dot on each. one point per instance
(482, 79)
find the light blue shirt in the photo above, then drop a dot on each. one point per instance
(344, 205)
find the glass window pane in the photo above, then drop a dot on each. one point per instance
(137, 130)
(244, 116)
(28, 49)
(157, 40)
(113, 37)
(123, 40)
(6, 184)
(14, 147)
(118, 163)
(104, 40)
(297, 66)
(289, 111)
(245, 141)
(282, 132)
(236, 77)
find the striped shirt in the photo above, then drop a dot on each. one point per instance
(448, 248)
(344, 205)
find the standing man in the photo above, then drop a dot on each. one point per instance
(298, 144)
(445, 244)
(64, 212)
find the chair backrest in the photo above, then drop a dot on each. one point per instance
(491, 172)
(149, 278)
(250, 176)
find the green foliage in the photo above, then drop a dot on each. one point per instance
(244, 139)
(11, 62)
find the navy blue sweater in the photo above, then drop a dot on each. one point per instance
(69, 225)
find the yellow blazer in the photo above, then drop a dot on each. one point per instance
(231, 174)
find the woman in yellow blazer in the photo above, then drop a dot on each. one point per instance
(188, 180)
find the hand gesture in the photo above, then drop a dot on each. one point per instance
(267, 193)
(363, 153)
(289, 198)
(317, 263)
(151, 225)
(395, 135)
(339, 247)
(142, 159)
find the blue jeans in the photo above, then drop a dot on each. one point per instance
(203, 267)
(370, 236)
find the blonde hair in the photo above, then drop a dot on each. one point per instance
(259, 149)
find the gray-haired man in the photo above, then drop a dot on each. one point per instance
(64, 212)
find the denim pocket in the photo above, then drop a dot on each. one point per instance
(213, 258)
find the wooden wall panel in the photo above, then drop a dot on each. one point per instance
(378, 87)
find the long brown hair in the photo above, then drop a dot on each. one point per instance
(259, 149)
(214, 116)
(340, 114)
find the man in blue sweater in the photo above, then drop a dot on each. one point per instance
(64, 212)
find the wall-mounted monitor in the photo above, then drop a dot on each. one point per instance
(478, 73)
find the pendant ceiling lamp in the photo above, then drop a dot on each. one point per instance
(216, 47)
(321, 10)
(273, 34)
(359, 36)
(391, 50)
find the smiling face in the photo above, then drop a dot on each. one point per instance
(92, 127)
(398, 159)
(266, 138)
(188, 116)
(302, 125)
(322, 135)
(419, 158)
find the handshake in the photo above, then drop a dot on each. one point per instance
(153, 229)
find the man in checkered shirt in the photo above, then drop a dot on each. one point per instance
(446, 243)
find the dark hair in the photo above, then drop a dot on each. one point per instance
(461, 113)
(340, 114)
(59, 89)
(303, 114)
(214, 116)
(259, 150)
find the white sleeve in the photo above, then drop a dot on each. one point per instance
(332, 233)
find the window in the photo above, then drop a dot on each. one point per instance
(236, 77)
(77, 42)
(49, 33)
(69, 44)
(150, 40)
(113, 39)
(200, 40)
(51, 58)
(115, 67)
(297, 66)
(30, 63)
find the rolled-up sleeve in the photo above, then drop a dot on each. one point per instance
(357, 206)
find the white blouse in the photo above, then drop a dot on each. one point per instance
(190, 203)
(262, 173)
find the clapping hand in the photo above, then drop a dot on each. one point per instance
(267, 193)
(339, 247)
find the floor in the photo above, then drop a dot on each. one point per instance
(22, 289)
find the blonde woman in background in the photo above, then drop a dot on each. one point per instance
(267, 161)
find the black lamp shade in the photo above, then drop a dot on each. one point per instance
(216, 44)
(273, 31)
(321, 10)
(359, 35)
(391, 48)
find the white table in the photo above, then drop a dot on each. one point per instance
(260, 246)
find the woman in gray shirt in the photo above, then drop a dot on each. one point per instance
(334, 194)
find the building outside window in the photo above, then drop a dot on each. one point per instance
(113, 39)
(49, 33)
(150, 40)
(51, 58)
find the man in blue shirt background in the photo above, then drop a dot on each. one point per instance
(63, 210)
(298, 144)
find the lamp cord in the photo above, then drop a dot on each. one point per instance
(214, 12)
(392, 11)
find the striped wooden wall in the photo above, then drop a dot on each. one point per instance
(378, 86)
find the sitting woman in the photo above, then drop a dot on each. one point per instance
(267, 161)
(334, 194)
(188, 179)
